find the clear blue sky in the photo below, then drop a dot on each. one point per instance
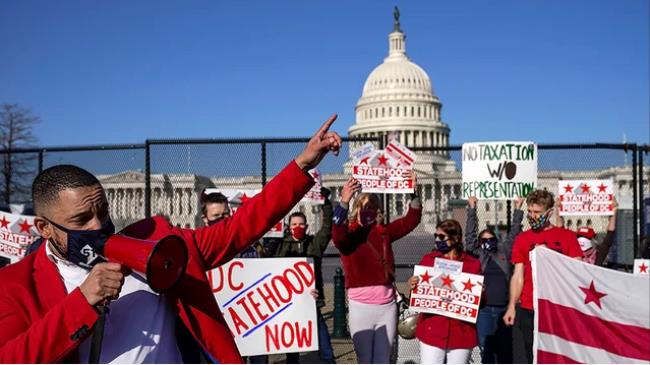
(122, 71)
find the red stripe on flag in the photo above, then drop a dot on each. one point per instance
(397, 150)
(575, 326)
(544, 357)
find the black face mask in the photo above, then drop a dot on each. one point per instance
(489, 244)
(85, 247)
(215, 221)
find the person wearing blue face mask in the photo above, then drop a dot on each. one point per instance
(494, 336)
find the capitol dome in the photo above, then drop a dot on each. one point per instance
(398, 99)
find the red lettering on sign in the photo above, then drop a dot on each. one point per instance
(237, 321)
(230, 270)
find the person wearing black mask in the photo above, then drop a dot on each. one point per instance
(214, 207)
(494, 336)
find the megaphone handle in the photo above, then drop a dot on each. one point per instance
(98, 336)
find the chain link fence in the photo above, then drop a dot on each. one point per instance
(166, 177)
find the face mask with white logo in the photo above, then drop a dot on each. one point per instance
(84, 245)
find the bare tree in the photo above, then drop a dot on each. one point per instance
(16, 124)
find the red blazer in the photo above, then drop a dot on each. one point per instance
(445, 332)
(40, 323)
(362, 264)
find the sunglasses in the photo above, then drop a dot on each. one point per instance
(441, 237)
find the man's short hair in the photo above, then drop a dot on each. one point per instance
(210, 199)
(297, 214)
(51, 181)
(541, 197)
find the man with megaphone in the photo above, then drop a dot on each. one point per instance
(153, 274)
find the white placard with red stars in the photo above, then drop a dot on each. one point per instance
(453, 295)
(238, 197)
(381, 171)
(267, 304)
(586, 197)
(17, 232)
(314, 195)
(641, 267)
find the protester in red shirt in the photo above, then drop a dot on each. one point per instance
(541, 232)
(443, 337)
(368, 262)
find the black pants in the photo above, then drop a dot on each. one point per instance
(522, 336)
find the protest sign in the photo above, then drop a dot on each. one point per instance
(381, 171)
(586, 197)
(499, 170)
(448, 265)
(449, 294)
(267, 304)
(314, 195)
(362, 151)
(641, 267)
(17, 232)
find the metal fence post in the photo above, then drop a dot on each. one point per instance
(508, 216)
(383, 141)
(147, 179)
(263, 145)
(339, 315)
(40, 160)
(642, 231)
(635, 202)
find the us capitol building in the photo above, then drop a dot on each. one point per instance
(397, 99)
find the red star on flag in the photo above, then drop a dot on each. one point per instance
(4, 223)
(426, 277)
(568, 188)
(602, 188)
(24, 227)
(382, 160)
(447, 280)
(643, 268)
(585, 188)
(468, 285)
(364, 160)
(592, 295)
(244, 198)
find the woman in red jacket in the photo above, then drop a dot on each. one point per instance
(368, 262)
(442, 336)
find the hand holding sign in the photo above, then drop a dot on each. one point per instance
(351, 187)
(318, 146)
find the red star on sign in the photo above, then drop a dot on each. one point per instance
(244, 198)
(426, 277)
(4, 223)
(592, 295)
(643, 268)
(602, 188)
(468, 285)
(364, 160)
(568, 188)
(446, 281)
(315, 175)
(585, 188)
(24, 227)
(382, 160)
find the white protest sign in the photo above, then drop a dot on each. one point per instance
(314, 195)
(448, 265)
(453, 295)
(267, 304)
(238, 197)
(499, 170)
(641, 267)
(362, 151)
(586, 197)
(401, 153)
(17, 232)
(380, 172)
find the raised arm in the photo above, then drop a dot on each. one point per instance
(515, 227)
(604, 246)
(340, 217)
(324, 235)
(471, 235)
(403, 226)
(221, 242)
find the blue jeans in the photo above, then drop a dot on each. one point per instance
(494, 337)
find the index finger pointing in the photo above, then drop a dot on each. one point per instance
(326, 126)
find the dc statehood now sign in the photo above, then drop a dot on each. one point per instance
(267, 304)
(499, 170)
